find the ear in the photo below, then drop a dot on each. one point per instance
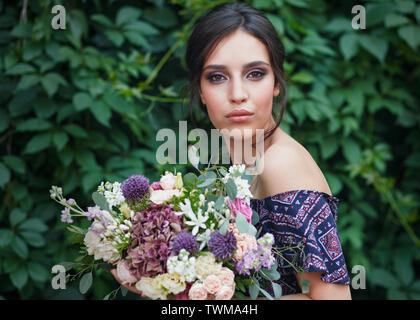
(276, 91)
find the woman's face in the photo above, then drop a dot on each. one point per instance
(237, 85)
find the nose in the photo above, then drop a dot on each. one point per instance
(238, 93)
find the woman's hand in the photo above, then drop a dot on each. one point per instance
(131, 288)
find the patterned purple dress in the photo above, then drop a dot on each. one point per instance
(308, 217)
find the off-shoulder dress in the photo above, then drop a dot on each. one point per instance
(308, 217)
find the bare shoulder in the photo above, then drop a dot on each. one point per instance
(289, 166)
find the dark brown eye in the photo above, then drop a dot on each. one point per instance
(256, 74)
(215, 77)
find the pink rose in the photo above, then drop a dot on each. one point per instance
(226, 276)
(167, 182)
(212, 284)
(156, 185)
(197, 292)
(247, 243)
(124, 274)
(225, 293)
(240, 206)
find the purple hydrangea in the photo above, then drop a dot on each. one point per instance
(152, 237)
(185, 241)
(135, 187)
(222, 246)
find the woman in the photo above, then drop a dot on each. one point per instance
(236, 60)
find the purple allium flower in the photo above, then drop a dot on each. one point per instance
(222, 246)
(185, 241)
(135, 187)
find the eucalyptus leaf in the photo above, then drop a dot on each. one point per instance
(85, 282)
(100, 200)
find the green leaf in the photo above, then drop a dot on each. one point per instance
(76, 130)
(393, 20)
(411, 35)
(254, 290)
(14, 163)
(376, 46)
(82, 100)
(351, 150)
(142, 27)
(277, 290)
(4, 175)
(305, 285)
(223, 229)
(417, 14)
(137, 39)
(51, 82)
(277, 23)
(33, 224)
(255, 217)
(267, 295)
(99, 18)
(190, 179)
(243, 225)
(20, 68)
(38, 272)
(163, 17)
(126, 15)
(6, 237)
(303, 77)
(102, 112)
(34, 239)
(384, 278)
(20, 247)
(19, 277)
(16, 216)
(27, 81)
(404, 269)
(231, 189)
(34, 124)
(348, 44)
(100, 200)
(85, 283)
(272, 274)
(115, 37)
(210, 177)
(38, 143)
(91, 179)
(60, 140)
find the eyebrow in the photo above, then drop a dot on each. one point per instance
(248, 65)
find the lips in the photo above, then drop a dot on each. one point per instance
(240, 115)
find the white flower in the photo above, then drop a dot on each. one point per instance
(161, 196)
(196, 221)
(113, 194)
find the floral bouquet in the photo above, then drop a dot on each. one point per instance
(183, 237)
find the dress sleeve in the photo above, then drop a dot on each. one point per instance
(316, 220)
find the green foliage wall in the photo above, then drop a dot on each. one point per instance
(82, 105)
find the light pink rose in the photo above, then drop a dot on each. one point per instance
(246, 244)
(167, 182)
(212, 284)
(197, 292)
(226, 276)
(240, 206)
(225, 293)
(124, 274)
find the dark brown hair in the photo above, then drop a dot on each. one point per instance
(214, 26)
